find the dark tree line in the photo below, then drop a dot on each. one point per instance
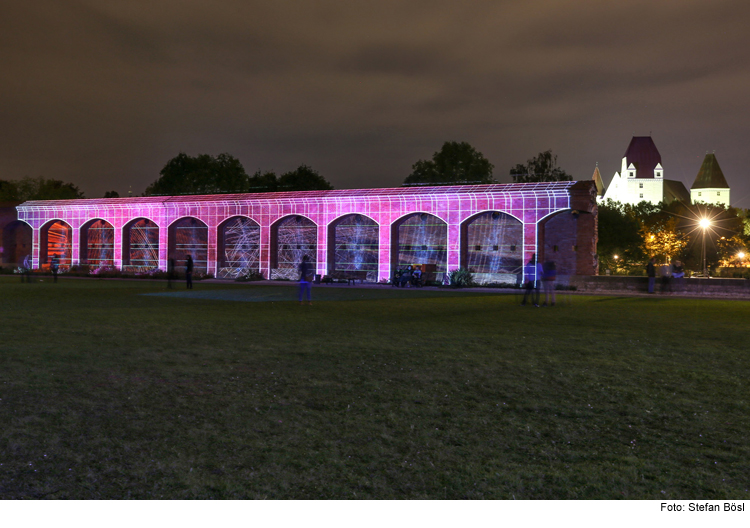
(205, 174)
(37, 189)
(455, 163)
(460, 163)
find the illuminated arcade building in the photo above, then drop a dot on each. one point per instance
(490, 229)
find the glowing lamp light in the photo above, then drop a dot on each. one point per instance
(741, 255)
(616, 257)
(704, 223)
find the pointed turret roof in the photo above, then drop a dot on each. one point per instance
(597, 177)
(710, 175)
(644, 155)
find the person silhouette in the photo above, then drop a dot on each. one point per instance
(548, 282)
(55, 266)
(170, 272)
(189, 272)
(304, 279)
(533, 273)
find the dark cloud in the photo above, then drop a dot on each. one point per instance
(103, 93)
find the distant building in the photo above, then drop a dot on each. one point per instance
(641, 177)
(710, 186)
(597, 177)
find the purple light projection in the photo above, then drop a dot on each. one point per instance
(239, 248)
(422, 240)
(97, 237)
(494, 246)
(270, 232)
(143, 250)
(355, 241)
(296, 236)
(190, 237)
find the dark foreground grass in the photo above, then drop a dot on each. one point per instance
(108, 393)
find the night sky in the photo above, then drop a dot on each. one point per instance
(103, 93)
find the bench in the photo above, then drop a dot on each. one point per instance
(349, 276)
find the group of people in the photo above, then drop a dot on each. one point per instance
(410, 276)
(668, 272)
(537, 273)
(26, 265)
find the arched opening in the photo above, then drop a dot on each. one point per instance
(17, 242)
(353, 245)
(558, 241)
(140, 245)
(97, 244)
(492, 247)
(238, 247)
(189, 236)
(56, 240)
(292, 237)
(421, 239)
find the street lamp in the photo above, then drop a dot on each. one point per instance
(704, 223)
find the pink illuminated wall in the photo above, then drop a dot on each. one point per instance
(317, 212)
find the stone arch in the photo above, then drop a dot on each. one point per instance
(492, 246)
(140, 245)
(353, 245)
(97, 247)
(238, 247)
(292, 237)
(17, 242)
(56, 239)
(188, 236)
(420, 239)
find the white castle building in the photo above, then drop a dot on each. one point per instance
(641, 179)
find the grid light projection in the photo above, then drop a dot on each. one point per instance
(240, 249)
(98, 239)
(144, 246)
(494, 244)
(356, 245)
(297, 237)
(490, 229)
(422, 240)
(190, 238)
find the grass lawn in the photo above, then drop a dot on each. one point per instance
(236, 391)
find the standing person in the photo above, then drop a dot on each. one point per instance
(304, 279)
(170, 272)
(533, 273)
(548, 282)
(189, 272)
(55, 266)
(26, 269)
(651, 273)
(678, 274)
(666, 278)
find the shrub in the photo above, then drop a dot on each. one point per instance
(460, 278)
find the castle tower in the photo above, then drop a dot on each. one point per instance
(710, 186)
(597, 177)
